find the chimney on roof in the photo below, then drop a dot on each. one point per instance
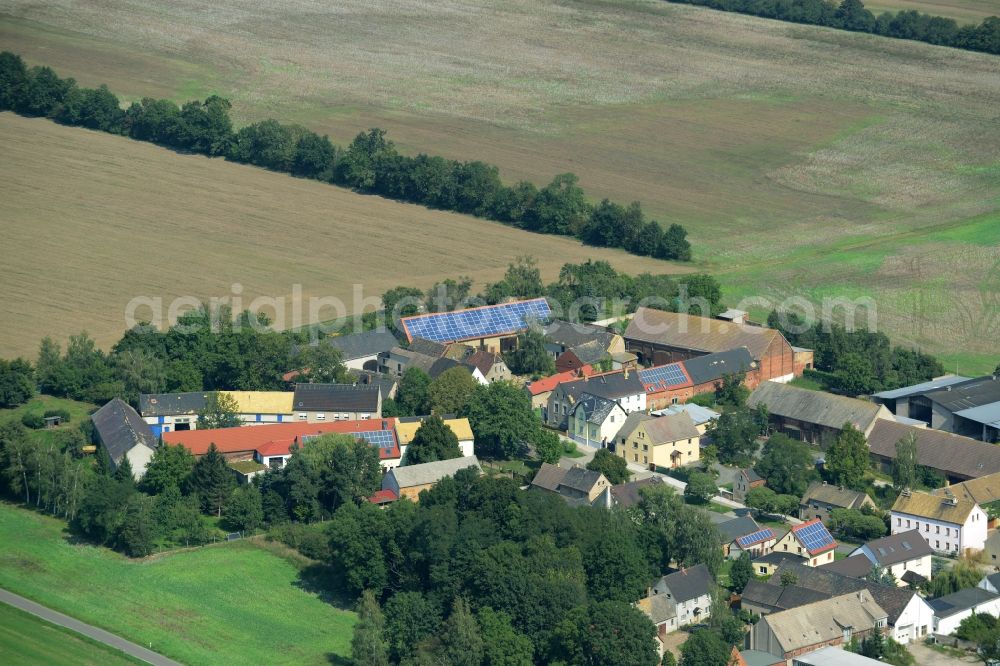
(625, 369)
(385, 425)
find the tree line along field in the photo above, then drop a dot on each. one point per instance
(239, 602)
(93, 220)
(963, 11)
(802, 160)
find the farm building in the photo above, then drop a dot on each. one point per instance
(679, 382)
(659, 337)
(360, 351)
(898, 400)
(574, 345)
(951, 609)
(905, 555)
(166, 412)
(576, 484)
(814, 416)
(123, 434)
(408, 481)
(316, 403)
(957, 458)
(490, 327)
(406, 428)
(968, 407)
(746, 481)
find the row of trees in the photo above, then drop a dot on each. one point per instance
(857, 362)
(852, 15)
(370, 164)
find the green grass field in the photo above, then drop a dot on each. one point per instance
(805, 162)
(240, 602)
(29, 641)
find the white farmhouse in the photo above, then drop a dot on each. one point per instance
(948, 524)
(905, 554)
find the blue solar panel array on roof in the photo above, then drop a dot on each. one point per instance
(755, 537)
(815, 537)
(663, 375)
(380, 438)
(478, 322)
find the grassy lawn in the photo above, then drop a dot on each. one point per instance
(26, 639)
(808, 383)
(240, 602)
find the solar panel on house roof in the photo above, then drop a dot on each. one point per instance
(663, 375)
(380, 438)
(755, 537)
(815, 537)
(477, 322)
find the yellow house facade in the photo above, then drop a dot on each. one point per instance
(664, 441)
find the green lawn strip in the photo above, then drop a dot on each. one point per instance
(28, 639)
(232, 602)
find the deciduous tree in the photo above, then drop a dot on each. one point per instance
(434, 440)
(368, 645)
(450, 391)
(847, 458)
(614, 468)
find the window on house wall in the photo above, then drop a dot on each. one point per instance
(321, 417)
(303, 417)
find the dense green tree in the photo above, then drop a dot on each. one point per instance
(212, 480)
(559, 208)
(765, 500)
(852, 15)
(434, 440)
(614, 468)
(605, 633)
(854, 524)
(847, 458)
(731, 391)
(368, 645)
(102, 510)
(904, 466)
(221, 411)
(267, 144)
(786, 464)
(962, 575)
(97, 109)
(502, 645)
(321, 363)
(882, 576)
(413, 394)
(449, 392)
(170, 466)
(13, 80)
(17, 384)
(695, 540)
(615, 566)
(124, 472)
(522, 280)
(735, 434)
(245, 509)
(314, 157)
(788, 578)
(357, 534)
(501, 418)
(701, 487)
(531, 357)
(401, 302)
(17, 454)
(741, 573)
(45, 92)
(139, 371)
(461, 639)
(547, 444)
(139, 529)
(448, 295)
(705, 648)
(410, 618)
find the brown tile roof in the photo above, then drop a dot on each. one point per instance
(834, 495)
(818, 407)
(549, 477)
(925, 505)
(685, 331)
(952, 454)
(670, 428)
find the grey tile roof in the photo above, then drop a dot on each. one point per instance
(591, 352)
(613, 385)
(818, 407)
(336, 397)
(855, 566)
(596, 408)
(780, 597)
(628, 494)
(428, 347)
(359, 345)
(897, 548)
(671, 428)
(957, 602)
(713, 367)
(631, 422)
(952, 454)
(432, 472)
(986, 414)
(823, 621)
(172, 404)
(820, 491)
(730, 530)
(580, 479)
(571, 335)
(549, 477)
(120, 429)
(752, 475)
(689, 583)
(658, 608)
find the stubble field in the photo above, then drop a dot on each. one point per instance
(804, 161)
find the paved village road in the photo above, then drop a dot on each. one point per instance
(87, 630)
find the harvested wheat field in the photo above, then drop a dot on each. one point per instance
(804, 161)
(91, 221)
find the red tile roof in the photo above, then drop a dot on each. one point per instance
(547, 384)
(275, 438)
(383, 497)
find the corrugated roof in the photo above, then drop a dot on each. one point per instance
(262, 402)
(925, 505)
(336, 397)
(685, 331)
(407, 429)
(172, 404)
(697, 413)
(818, 407)
(966, 395)
(952, 454)
(409, 476)
(963, 600)
(985, 414)
(120, 429)
(916, 389)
